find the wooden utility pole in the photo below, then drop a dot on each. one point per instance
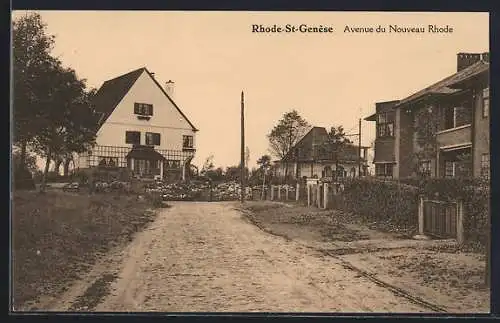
(359, 148)
(242, 148)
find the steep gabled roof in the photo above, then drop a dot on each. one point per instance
(112, 92)
(314, 132)
(443, 86)
(309, 150)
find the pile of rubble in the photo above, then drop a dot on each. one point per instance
(178, 191)
(229, 191)
(197, 191)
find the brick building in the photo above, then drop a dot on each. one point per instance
(439, 131)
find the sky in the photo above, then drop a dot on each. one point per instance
(331, 79)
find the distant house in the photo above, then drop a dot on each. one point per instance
(459, 106)
(141, 128)
(311, 157)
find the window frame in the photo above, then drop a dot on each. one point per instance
(485, 165)
(453, 169)
(143, 109)
(385, 128)
(190, 140)
(426, 171)
(106, 160)
(385, 168)
(133, 132)
(153, 136)
(486, 102)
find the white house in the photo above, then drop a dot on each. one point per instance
(141, 128)
(310, 157)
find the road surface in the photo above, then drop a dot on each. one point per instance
(207, 257)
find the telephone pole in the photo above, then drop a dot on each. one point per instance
(242, 148)
(359, 148)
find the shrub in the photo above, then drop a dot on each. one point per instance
(23, 179)
(382, 201)
(397, 202)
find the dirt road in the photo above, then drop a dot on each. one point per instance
(207, 257)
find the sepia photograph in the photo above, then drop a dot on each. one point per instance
(248, 162)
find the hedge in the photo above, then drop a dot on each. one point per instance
(382, 201)
(397, 202)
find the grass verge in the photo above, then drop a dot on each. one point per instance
(57, 236)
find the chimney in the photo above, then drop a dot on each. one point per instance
(485, 57)
(465, 60)
(169, 88)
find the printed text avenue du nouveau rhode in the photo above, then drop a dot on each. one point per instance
(399, 29)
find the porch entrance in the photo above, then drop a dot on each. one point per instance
(144, 161)
(146, 167)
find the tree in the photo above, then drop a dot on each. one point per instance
(67, 120)
(209, 171)
(425, 126)
(264, 163)
(335, 145)
(233, 173)
(31, 61)
(29, 160)
(289, 130)
(208, 165)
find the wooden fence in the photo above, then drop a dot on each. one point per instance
(441, 219)
(315, 194)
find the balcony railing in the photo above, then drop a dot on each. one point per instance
(454, 137)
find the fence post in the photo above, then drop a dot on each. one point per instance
(325, 195)
(460, 222)
(279, 192)
(318, 195)
(308, 195)
(286, 191)
(297, 192)
(272, 192)
(421, 215)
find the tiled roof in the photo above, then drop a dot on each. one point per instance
(112, 92)
(443, 86)
(310, 148)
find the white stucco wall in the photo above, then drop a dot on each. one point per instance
(166, 119)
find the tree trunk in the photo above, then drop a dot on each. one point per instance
(286, 171)
(263, 186)
(22, 161)
(66, 166)
(45, 172)
(57, 166)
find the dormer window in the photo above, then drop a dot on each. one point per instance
(143, 110)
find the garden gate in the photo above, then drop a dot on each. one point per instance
(441, 219)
